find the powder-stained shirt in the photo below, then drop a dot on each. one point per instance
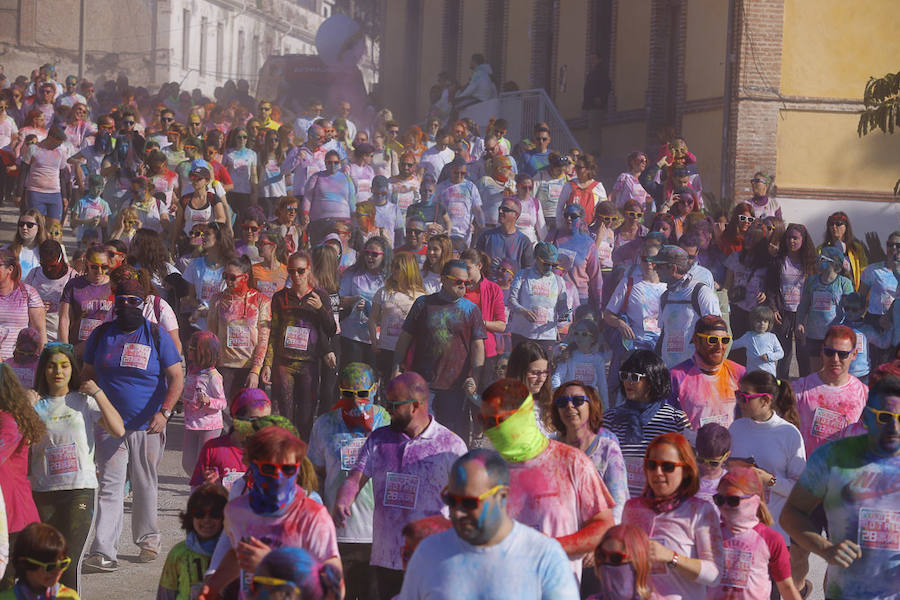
(64, 458)
(329, 196)
(298, 332)
(269, 281)
(241, 322)
(50, 291)
(196, 416)
(393, 307)
(861, 496)
(827, 409)
(222, 456)
(543, 295)
(407, 475)
(707, 398)
(460, 201)
(819, 304)
(443, 331)
(557, 492)
(90, 304)
(753, 560)
(334, 448)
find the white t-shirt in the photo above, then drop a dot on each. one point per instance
(460, 200)
(526, 564)
(434, 160)
(394, 308)
(43, 176)
(50, 290)
(7, 129)
(64, 458)
(678, 317)
(240, 163)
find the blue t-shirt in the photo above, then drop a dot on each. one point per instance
(533, 161)
(130, 370)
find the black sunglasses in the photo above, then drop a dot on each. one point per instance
(611, 558)
(297, 271)
(842, 354)
(666, 465)
(731, 501)
(575, 401)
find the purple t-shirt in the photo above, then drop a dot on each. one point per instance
(89, 305)
(443, 331)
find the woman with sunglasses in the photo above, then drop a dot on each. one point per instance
(358, 286)
(240, 318)
(530, 364)
(39, 559)
(584, 190)
(606, 220)
(34, 124)
(241, 163)
(685, 549)
(270, 273)
(201, 205)
(839, 232)
(30, 233)
(577, 416)
(644, 412)
(63, 477)
(628, 187)
(205, 273)
(732, 239)
(622, 565)
(755, 555)
(86, 300)
(252, 221)
(632, 227)
(78, 127)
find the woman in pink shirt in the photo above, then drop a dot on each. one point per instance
(685, 538)
(20, 305)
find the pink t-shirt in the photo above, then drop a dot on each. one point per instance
(203, 418)
(305, 524)
(43, 175)
(14, 316)
(825, 410)
(557, 492)
(223, 456)
(753, 559)
(20, 508)
(707, 398)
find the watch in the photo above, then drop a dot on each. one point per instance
(772, 481)
(167, 413)
(674, 562)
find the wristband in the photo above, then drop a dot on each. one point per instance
(674, 562)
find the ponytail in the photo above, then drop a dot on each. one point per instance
(783, 402)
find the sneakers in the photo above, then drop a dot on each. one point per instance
(97, 563)
(147, 555)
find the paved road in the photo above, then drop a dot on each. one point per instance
(136, 581)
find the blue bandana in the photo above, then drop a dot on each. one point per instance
(270, 495)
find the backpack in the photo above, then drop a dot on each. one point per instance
(585, 198)
(694, 301)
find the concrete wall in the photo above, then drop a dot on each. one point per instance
(632, 56)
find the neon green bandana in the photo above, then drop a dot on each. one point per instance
(518, 438)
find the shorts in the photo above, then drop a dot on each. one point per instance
(48, 204)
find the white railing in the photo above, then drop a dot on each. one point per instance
(522, 109)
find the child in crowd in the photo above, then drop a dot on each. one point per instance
(755, 555)
(854, 309)
(820, 302)
(203, 396)
(182, 574)
(585, 359)
(127, 224)
(91, 213)
(25, 356)
(39, 558)
(763, 348)
(713, 448)
(622, 565)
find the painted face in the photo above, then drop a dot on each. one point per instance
(98, 268)
(883, 426)
(59, 372)
(661, 482)
(477, 507)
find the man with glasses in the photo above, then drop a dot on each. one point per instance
(409, 462)
(71, 97)
(166, 120)
(485, 539)
(336, 439)
(574, 507)
(683, 303)
(405, 186)
(43, 102)
(449, 333)
(704, 384)
(415, 238)
(312, 114)
(690, 242)
(831, 398)
(174, 151)
(461, 200)
(138, 366)
(264, 114)
(343, 112)
(308, 160)
(855, 483)
(505, 241)
(537, 158)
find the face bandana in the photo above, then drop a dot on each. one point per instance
(617, 581)
(357, 417)
(240, 285)
(742, 517)
(270, 495)
(518, 438)
(128, 318)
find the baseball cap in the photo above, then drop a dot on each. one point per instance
(200, 167)
(546, 252)
(834, 254)
(671, 255)
(710, 323)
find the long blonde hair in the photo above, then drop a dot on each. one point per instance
(405, 276)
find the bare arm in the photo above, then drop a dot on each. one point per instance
(62, 331)
(110, 418)
(588, 537)
(796, 520)
(400, 350)
(37, 318)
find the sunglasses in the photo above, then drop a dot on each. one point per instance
(390, 405)
(506, 209)
(467, 502)
(276, 588)
(272, 469)
(167, 119)
(758, 180)
(630, 377)
(666, 465)
(130, 301)
(543, 373)
(290, 209)
(129, 123)
(610, 558)
(884, 417)
(232, 278)
(712, 340)
(745, 397)
(713, 462)
(50, 567)
(102, 268)
(60, 345)
(457, 281)
(265, 108)
(746, 218)
(195, 233)
(208, 514)
(842, 354)
(415, 231)
(27, 224)
(355, 393)
(250, 228)
(242, 137)
(893, 245)
(298, 271)
(607, 220)
(575, 401)
(634, 214)
(491, 421)
(731, 501)
(55, 232)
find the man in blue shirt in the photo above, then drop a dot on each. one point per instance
(138, 366)
(538, 157)
(505, 241)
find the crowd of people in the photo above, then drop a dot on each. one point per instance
(428, 362)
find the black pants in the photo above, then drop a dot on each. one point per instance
(358, 574)
(353, 351)
(789, 340)
(72, 512)
(390, 582)
(451, 409)
(294, 388)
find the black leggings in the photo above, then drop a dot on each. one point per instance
(72, 512)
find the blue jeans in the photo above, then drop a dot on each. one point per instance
(49, 205)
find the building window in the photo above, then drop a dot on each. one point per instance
(254, 59)
(543, 49)
(326, 11)
(186, 40)
(204, 28)
(240, 57)
(220, 49)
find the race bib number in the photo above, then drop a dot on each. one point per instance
(737, 568)
(554, 189)
(822, 301)
(401, 491)
(231, 478)
(272, 170)
(405, 200)
(209, 289)
(604, 253)
(675, 343)
(365, 186)
(393, 328)
(86, 327)
(457, 210)
(296, 338)
(238, 336)
(634, 468)
(569, 254)
(879, 529)
(723, 420)
(199, 217)
(539, 288)
(267, 287)
(135, 356)
(62, 460)
(585, 372)
(651, 325)
(827, 423)
(350, 452)
(791, 294)
(542, 315)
